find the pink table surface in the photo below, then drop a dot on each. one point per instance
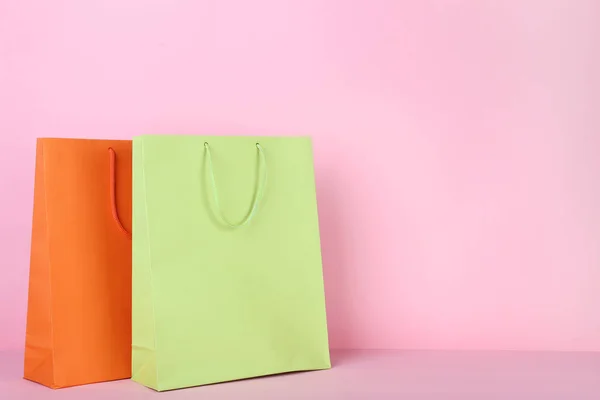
(380, 374)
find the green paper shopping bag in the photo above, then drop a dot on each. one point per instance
(227, 275)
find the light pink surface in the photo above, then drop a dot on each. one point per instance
(367, 374)
(456, 144)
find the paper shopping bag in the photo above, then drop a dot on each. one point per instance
(227, 275)
(79, 306)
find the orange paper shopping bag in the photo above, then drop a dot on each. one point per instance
(79, 307)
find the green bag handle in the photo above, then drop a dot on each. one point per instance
(258, 195)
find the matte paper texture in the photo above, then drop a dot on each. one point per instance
(79, 308)
(213, 303)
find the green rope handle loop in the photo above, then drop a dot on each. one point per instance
(258, 195)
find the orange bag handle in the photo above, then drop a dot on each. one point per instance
(113, 189)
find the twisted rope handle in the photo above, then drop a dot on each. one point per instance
(113, 189)
(258, 195)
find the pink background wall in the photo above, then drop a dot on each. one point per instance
(456, 144)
